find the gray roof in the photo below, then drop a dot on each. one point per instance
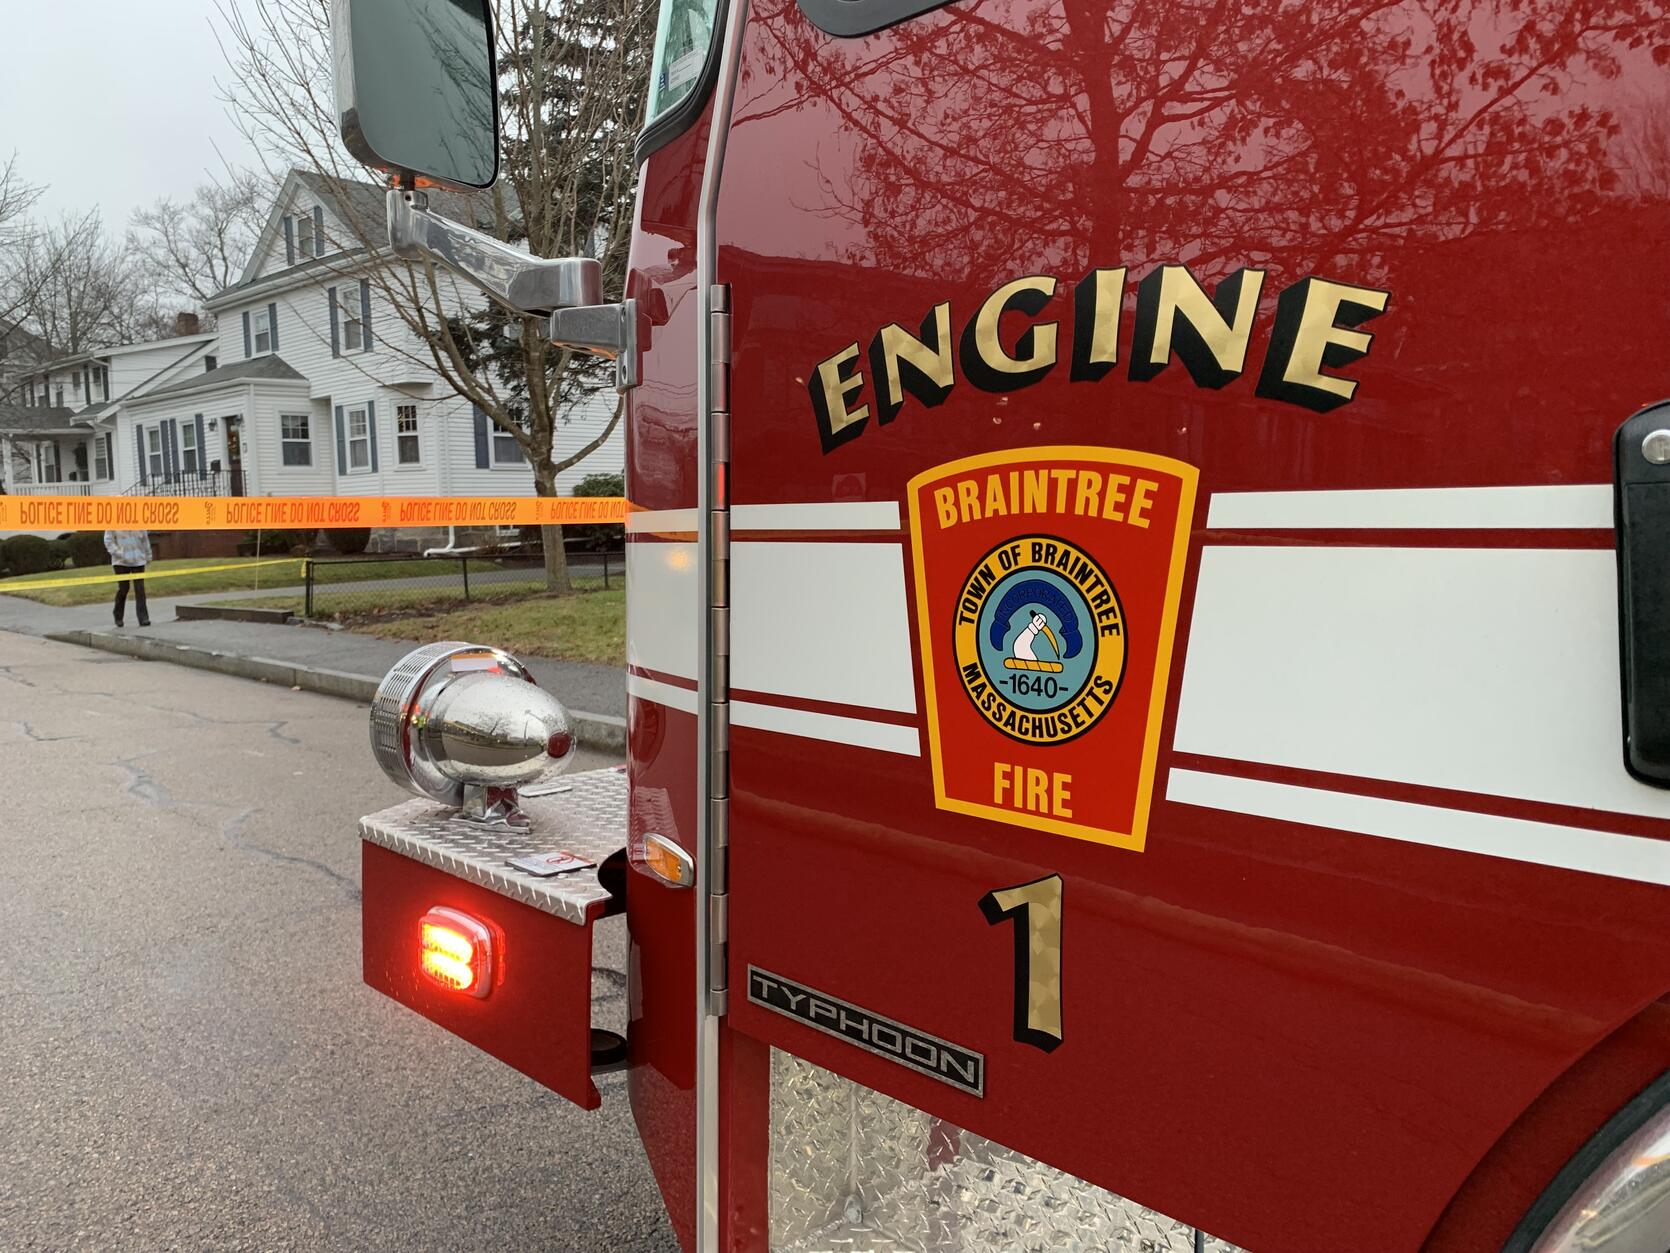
(30, 416)
(367, 203)
(364, 206)
(255, 369)
(16, 418)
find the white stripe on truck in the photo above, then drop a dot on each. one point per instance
(1570, 848)
(1579, 506)
(1482, 670)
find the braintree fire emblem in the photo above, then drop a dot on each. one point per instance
(1047, 582)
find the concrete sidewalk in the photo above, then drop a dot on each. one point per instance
(338, 663)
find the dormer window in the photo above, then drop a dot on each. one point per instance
(304, 235)
(261, 328)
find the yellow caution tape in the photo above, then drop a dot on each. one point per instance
(30, 584)
(249, 513)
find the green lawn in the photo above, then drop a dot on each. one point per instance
(215, 579)
(212, 580)
(587, 626)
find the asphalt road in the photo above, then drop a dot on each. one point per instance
(187, 1054)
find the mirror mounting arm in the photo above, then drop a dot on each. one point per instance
(568, 289)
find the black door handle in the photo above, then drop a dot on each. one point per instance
(1641, 509)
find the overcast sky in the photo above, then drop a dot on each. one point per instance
(113, 102)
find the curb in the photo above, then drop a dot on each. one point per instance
(230, 613)
(603, 732)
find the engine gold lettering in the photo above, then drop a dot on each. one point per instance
(1208, 335)
(831, 384)
(1313, 330)
(921, 365)
(1313, 335)
(985, 361)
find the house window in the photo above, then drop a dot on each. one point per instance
(101, 461)
(188, 448)
(408, 451)
(353, 333)
(75, 380)
(210, 363)
(506, 451)
(104, 383)
(263, 331)
(295, 439)
(153, 450)
(59, 393)
(359, 440)
(304, 235)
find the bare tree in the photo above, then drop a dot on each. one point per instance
(572, 81)
(190, 249)
(76, 289)
(17, 197)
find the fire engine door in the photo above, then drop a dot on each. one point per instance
(1173, 707)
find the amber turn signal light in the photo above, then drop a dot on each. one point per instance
(456, 951)
(667, 861)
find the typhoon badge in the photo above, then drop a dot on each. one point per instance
(1047, 583)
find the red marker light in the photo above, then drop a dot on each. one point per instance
(456, 951)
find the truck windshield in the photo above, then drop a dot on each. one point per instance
(682, 37)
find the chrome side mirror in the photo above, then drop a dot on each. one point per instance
(417, 88)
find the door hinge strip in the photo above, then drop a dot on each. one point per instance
(718, 527)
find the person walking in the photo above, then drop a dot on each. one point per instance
(130, 553)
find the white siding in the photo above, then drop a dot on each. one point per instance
(264, 449)
(296, 200)
(398, 369)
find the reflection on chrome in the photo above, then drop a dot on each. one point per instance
(467, 726)
(1624, 1207)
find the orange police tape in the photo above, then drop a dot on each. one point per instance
(245, 513)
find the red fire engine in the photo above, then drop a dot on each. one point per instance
(1149, 625)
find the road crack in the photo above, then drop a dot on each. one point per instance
(143, 783)
(29, 733)
(232, 832)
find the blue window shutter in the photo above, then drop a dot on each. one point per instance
(110, 454)
(139, 448)
(272, 320)
(289, 241)
(365, 313)
(336, 335)
(481, 461)
(341, 443)
(371, 429)
(249, 350)
(318, 230)
(202, 447)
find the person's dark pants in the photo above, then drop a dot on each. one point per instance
(138, 594)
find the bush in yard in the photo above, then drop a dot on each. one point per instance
(30, 554)
(598, 537)
(87, 549)
(278, 543)
(349, 540)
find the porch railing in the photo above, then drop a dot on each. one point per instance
(58, 489)
(208, 483)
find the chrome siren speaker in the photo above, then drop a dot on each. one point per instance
(467, 726)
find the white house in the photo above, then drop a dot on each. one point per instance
(312, 386)
(58, 433)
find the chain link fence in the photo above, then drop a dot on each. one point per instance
(345, 587)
